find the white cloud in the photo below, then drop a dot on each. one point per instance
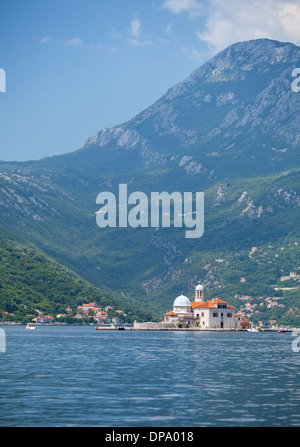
(192, 7)
(46, 39)
(240, 20)
(135, 34)
(74, 42)
(169, 28)
(135, 28)
(192, 53)
(221, 23)
(71, 42)
(139, 43)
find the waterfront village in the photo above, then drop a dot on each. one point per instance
(194, 314)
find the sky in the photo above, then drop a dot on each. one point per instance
(73, 67)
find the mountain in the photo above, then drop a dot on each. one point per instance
(231, 129)
(232, 115)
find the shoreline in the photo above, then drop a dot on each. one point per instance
(191, 330)
(131, 328)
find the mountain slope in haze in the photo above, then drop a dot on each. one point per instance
(231, 130)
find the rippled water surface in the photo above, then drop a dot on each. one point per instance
(76, 376)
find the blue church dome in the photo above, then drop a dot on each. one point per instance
(182, 301)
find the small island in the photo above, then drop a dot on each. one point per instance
(214, 314)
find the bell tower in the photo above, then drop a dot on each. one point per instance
(199, 294)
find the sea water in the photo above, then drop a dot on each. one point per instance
(76, 376)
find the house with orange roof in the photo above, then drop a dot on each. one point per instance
(44, 319)
(87, 306)
(212, 314)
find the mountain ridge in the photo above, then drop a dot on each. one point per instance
(205, 88)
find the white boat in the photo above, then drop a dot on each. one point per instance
(252, 330)
(30, 326)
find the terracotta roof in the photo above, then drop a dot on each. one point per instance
(171, 313)
(206, 304)
(212, 304)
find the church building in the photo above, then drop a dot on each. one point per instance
(212, 314)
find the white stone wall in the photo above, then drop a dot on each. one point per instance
(208, 321)
(182, 309)
(228, 322)
(204, 321)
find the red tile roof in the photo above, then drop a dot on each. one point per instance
(211, 304)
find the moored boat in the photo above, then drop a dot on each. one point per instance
(30, 326)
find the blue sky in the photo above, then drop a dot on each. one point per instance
(73, 67)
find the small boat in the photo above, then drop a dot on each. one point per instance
(252, 330)
(285, 329)
(30, 326)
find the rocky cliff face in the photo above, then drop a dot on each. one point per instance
(239, 105)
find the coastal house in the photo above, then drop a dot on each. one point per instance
(116, 321)
(100, 317)
(44, 319)
(89, 306)
(107, 308)
(293, 275)
(242, 323)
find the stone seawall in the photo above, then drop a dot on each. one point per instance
(154, 326)
(172, 327)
